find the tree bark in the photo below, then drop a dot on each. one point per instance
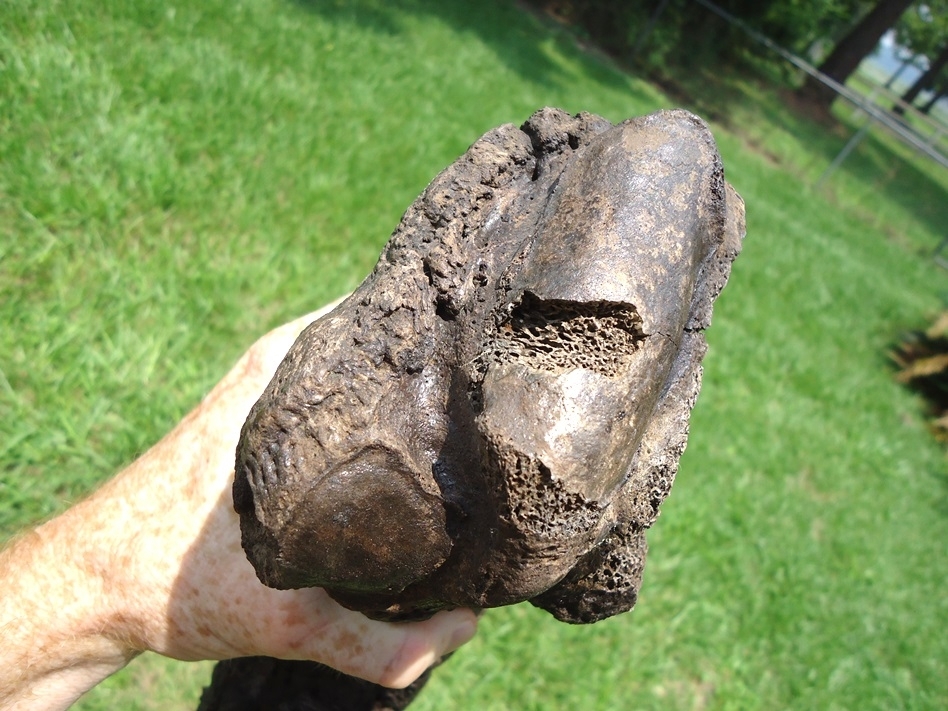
(927, 80)
(852, 49)
(936, 96)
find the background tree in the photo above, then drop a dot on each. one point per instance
(938, 93)
(924, 31)
(683, 33)
(924, 28)
(852, 49)
(926, 81)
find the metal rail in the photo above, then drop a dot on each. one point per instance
(876, 113)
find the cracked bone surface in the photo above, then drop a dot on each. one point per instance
(497, 412)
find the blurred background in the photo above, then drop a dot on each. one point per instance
(177, 179)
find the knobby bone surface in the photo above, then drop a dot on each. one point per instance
(497, 412)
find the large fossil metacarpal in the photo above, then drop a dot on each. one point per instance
(497, 412)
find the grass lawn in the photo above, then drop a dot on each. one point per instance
(174, 180)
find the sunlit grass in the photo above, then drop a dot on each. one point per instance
(175, 180)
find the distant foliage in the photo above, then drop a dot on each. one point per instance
(688, 34)
(924, 31)
(922, 360)
(924, 28)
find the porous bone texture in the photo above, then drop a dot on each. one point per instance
(497, 412)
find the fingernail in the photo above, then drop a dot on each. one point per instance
(462, 633)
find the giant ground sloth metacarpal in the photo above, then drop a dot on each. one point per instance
(497, 412)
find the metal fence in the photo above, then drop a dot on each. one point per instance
(925, 135)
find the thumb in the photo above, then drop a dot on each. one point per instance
(392, 654)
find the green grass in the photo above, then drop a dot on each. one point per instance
(175, 180)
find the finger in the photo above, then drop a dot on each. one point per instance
(393, 654)
(423, 647)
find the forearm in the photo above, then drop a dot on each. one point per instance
(60, 632)
(86, 592)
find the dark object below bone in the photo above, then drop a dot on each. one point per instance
(265, 684)
(496, 414)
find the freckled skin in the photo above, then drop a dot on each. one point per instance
(292, 615)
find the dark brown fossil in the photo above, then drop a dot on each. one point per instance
(497, 412)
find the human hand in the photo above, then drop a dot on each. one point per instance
(152, 562)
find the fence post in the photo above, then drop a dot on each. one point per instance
(847, 149)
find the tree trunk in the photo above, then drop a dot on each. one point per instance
(852, 49)
(925, 81)
(936, 96)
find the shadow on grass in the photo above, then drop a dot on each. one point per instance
(513, 33)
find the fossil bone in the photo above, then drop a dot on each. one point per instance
(497, 412)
